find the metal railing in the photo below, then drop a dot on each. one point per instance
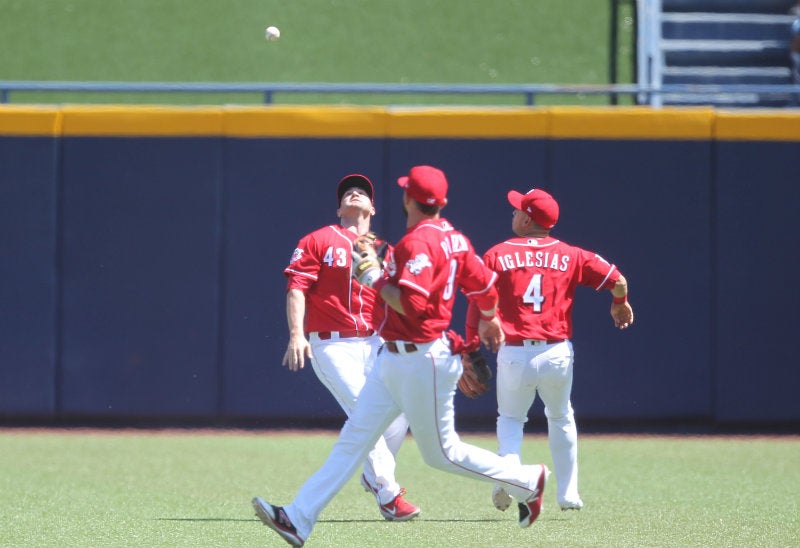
(649, 55)
(528, 92)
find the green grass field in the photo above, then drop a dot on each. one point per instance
(136, 488)
(383, 41)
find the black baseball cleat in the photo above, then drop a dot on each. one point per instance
(276, 519)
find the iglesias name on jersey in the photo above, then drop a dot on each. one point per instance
(537, 278)
(321, 268)
(429, 264)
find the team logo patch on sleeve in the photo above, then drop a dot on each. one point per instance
(418, 263)
(298, 253)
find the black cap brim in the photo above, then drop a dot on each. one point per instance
(355, 180)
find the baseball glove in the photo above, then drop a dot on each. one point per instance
(475, 379)
(366, 268)
(370, 243)
(366, 263)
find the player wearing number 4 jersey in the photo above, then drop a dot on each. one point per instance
(333, 321)
(537, 278)
(417, 368)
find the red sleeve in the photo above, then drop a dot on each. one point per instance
(416, 272)
(414, 303)
(303, 268)
(473, 317)
(596, 272)
(477, 282)
(487, 300)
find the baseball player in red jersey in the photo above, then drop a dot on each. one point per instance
(416, 371)
(332, 321)
(537, 278)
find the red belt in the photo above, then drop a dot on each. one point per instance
(325, 335)
(532, 342)
(392, 347)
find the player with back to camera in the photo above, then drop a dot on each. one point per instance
(418, 366)
(537, 278)
(339, 316)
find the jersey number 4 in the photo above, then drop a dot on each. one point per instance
(533, 295)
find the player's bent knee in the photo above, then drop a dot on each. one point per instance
(561, 422)
(522, 419)
(441, 458)
(438, 462)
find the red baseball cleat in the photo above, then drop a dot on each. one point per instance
(398, 509)
(532, 507)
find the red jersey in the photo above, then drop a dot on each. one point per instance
(320, 267)
(537, 282)
(429, 263)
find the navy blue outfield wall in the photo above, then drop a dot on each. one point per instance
(28, 305)
(139, 275)
(143, 249)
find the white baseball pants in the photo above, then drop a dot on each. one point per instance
(342, 365)
(421, 385)
(546, 369)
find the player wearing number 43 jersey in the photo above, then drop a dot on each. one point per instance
(333, 322)
(537, 278)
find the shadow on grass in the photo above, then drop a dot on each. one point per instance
(205, 519)
(415, 520)
(339, 520)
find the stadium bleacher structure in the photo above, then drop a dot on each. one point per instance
(716, 42)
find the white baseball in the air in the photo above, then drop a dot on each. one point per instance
(272, 34)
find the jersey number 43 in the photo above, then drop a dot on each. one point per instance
(336, 256)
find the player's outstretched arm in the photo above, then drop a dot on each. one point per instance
(298, 349)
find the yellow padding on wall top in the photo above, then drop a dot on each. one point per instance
(472, 123)
(134, 121)
(758, 126)
(606, 123)
(299, 121)
(30, 120)
(631, 123)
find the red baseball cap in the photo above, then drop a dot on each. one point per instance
(426, 185)
(355, 180)
(538, 205)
